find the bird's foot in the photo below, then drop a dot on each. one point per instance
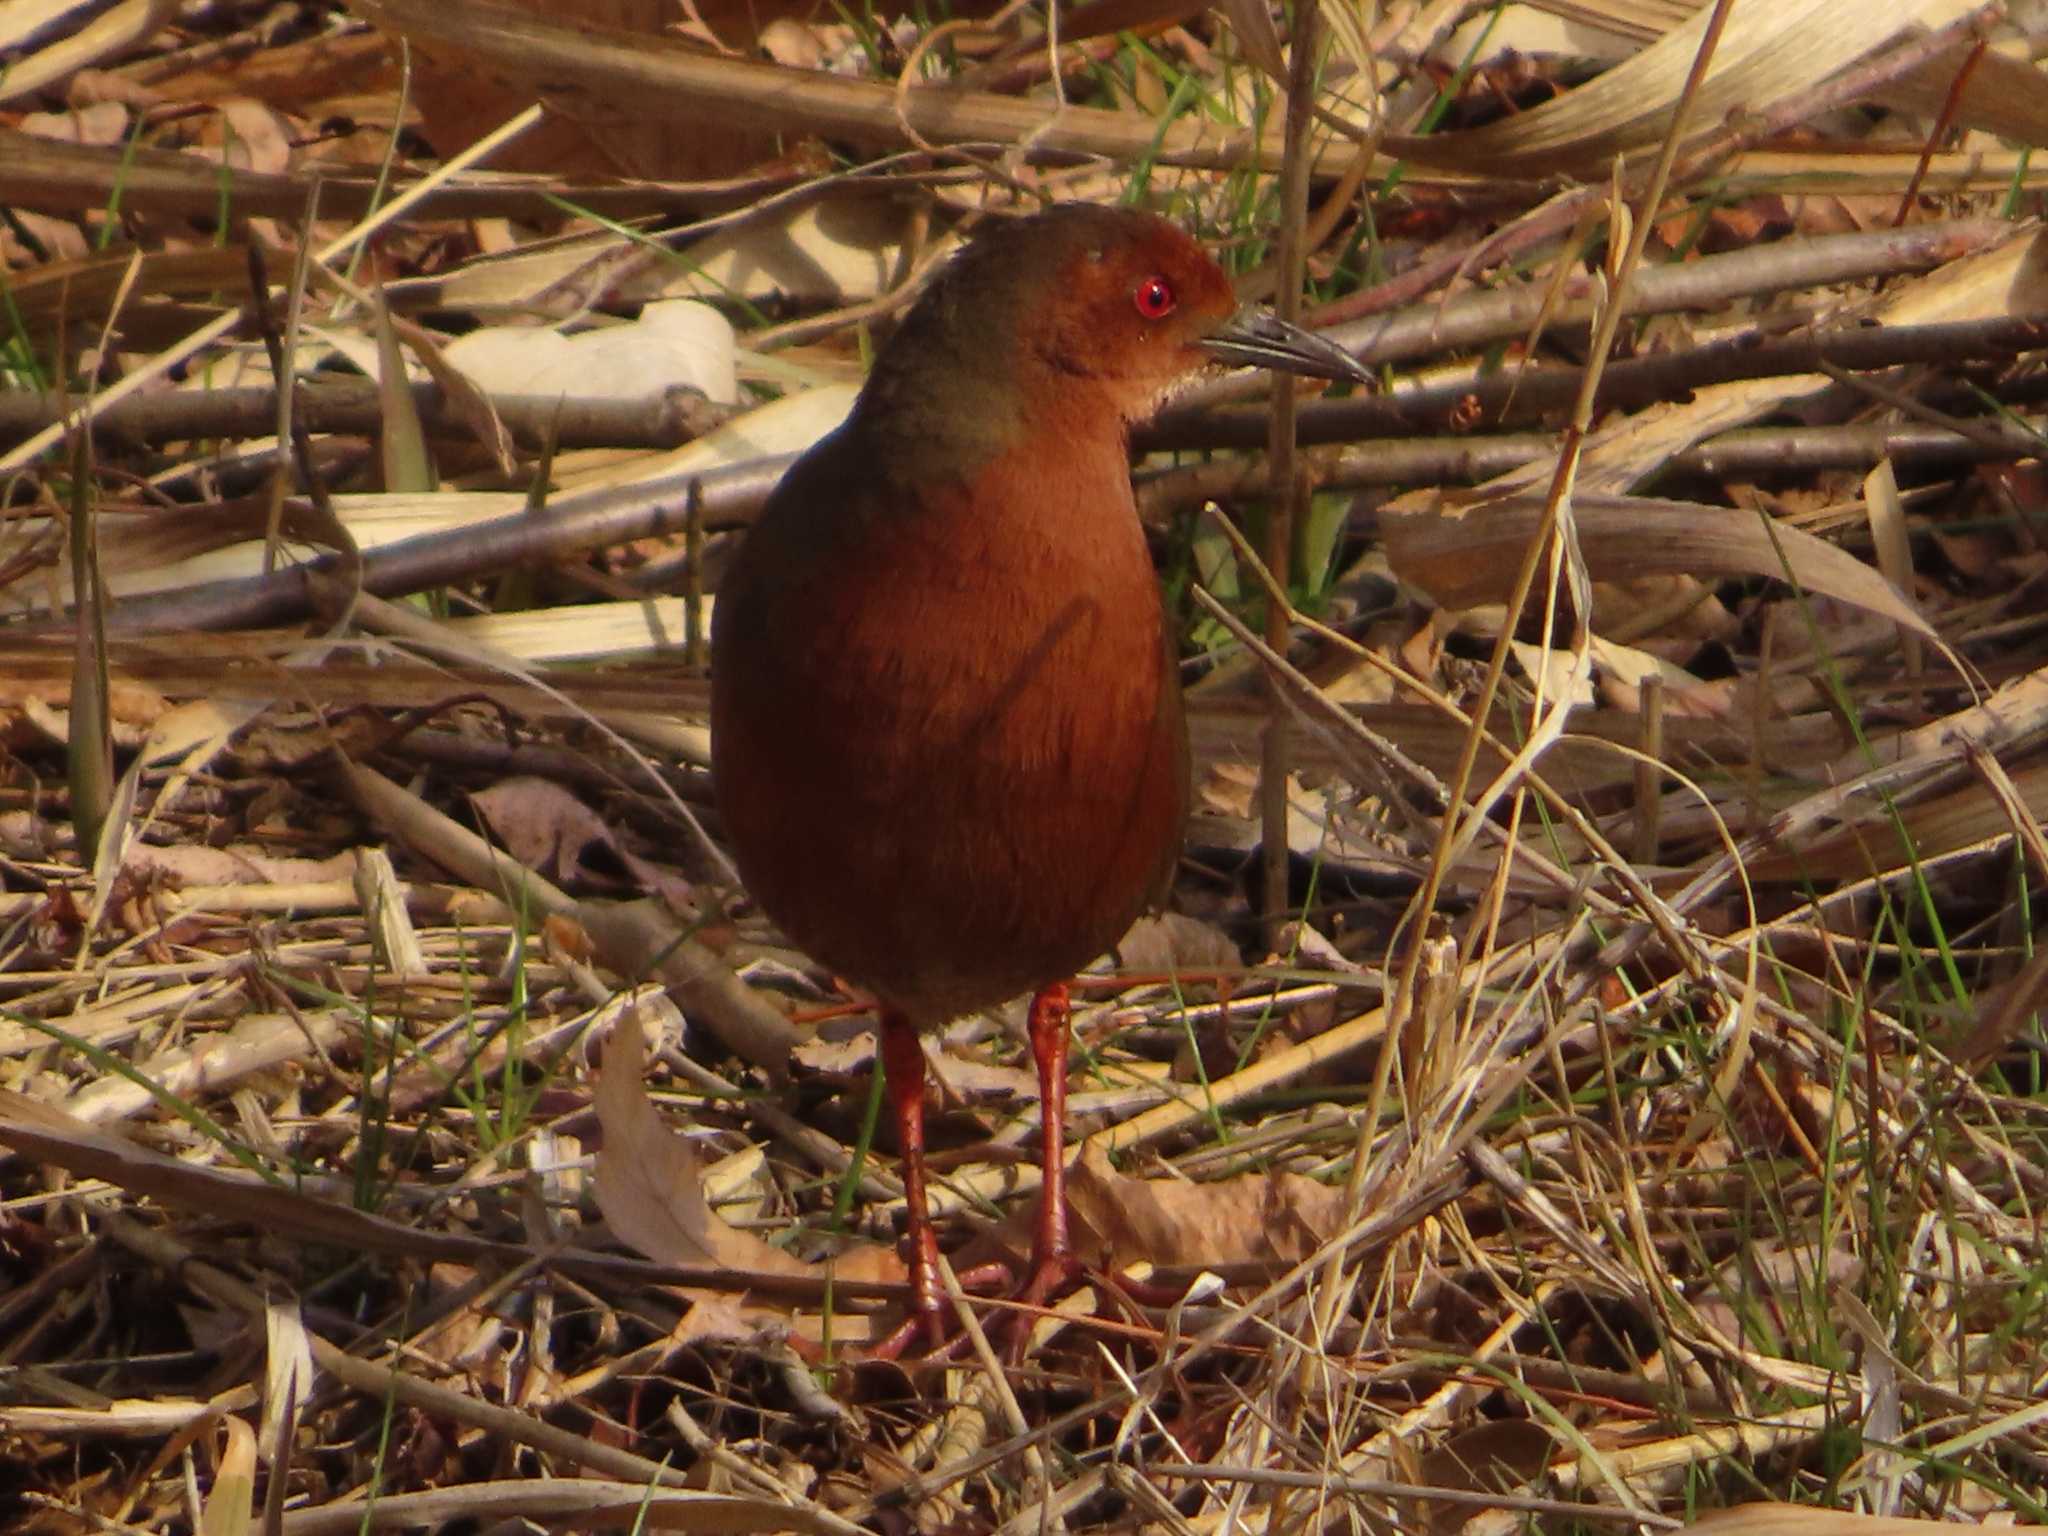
(892, 1344)
(1052, 1274)
(931, 1316)
(1050, 1277)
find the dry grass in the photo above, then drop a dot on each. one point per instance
(1639, 1110)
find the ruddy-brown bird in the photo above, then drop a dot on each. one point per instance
(946, 717)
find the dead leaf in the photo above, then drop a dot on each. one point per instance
(463, 94)
(650, 1181)
(650, 1186)
(1805, 1520)
(676, 343)
(1173, 944)
(1253, 1218)
(1470, 557)
(249, 136)
(1499, 1457)
(549, 830)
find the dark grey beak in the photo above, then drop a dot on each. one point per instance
(1258, 338)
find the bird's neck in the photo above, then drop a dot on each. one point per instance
(952, 419)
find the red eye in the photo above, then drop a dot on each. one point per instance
(1154, 298)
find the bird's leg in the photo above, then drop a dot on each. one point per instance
(1052, 1257)
(903, 1062)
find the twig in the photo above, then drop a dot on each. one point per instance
(657, 421)
(1741, 454)
(1480, 319)
(1286, 491)
(573, 526)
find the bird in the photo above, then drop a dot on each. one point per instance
(948, 749)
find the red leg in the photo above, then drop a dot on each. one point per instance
(903, 1061)
(1052, 1257)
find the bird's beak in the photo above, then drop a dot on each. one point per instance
(1259, 338)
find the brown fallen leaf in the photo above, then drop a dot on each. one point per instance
(1173, 943)
(1804, 1520)
(1253, 1218)
(650, 1186)
(650, 1181)
(36, 713)
(1499, 1457)
(547, 828)
(1468, 557)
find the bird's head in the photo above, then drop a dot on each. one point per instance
(1108, 301)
